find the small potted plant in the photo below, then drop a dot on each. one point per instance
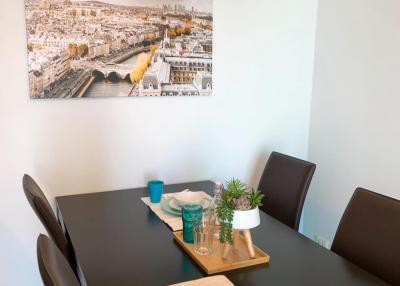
(238, 209)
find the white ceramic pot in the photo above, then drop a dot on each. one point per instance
(246, 219)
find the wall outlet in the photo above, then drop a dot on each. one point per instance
(322, 241)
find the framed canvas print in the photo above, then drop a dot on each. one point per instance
(119, 48)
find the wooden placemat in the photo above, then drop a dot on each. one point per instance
(237, 258)
(218, 280)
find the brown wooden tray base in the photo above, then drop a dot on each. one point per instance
(214, 263)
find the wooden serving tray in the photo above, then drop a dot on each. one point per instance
(238, 257)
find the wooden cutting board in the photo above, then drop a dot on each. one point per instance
(238, 257)
(218, 280)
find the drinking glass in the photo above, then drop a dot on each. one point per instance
(204, 236)
(191, 216)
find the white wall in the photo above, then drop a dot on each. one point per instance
(262, 92)
(354, 133)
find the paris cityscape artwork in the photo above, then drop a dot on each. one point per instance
(109, 48)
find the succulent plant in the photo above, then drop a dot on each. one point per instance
(242, 204)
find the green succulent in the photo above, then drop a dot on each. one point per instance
(235, 188)
(256, 198)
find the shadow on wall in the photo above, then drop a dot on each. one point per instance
(258, 168)
(152, 175)
(23, 266)
(99, 153)
(259, 165)
(318, 219)
(176, 167)
(70, 159)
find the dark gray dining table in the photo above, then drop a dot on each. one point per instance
(119, 241)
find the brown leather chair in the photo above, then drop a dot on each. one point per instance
(285, 183)
(43, 210)
(369, 234)
(54, 268)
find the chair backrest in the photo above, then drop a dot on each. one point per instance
(285, 183)
(43, 210)
(369, 234)
(53, 266)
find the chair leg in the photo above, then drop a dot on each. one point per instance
(249, 242)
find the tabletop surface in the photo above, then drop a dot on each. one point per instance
(119, 241)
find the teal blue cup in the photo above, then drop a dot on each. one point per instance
(191, 216)
(155, 189)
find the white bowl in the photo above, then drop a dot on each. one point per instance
(187, 197)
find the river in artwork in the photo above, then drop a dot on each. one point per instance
(107, 88)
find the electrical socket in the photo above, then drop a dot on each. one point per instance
(322, 241)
